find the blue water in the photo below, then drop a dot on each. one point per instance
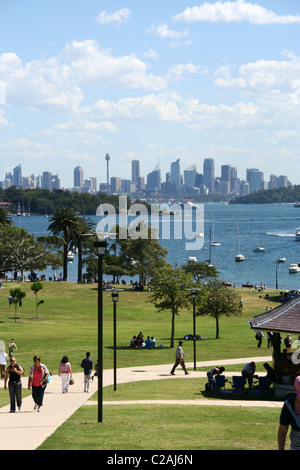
(272, 226)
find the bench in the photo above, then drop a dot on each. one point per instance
(249, 286)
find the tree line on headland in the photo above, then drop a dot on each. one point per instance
(40, 201)
(288, 195)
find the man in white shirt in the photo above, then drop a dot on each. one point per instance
(179, 359)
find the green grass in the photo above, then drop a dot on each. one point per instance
(67, 324)
(172, 427)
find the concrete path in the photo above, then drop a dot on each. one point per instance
(27, 429)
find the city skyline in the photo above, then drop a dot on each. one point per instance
(190, 181)
(187, 79)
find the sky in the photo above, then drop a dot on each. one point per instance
(152, 81)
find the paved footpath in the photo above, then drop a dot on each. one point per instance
(27, 429)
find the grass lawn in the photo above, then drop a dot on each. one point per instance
(67, 324)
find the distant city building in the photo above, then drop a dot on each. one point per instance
(154, 181)
(115, 184)
(17, 176)
(135, 171)
(209, 173)
(78, 177)
(190, 177)
(176, 173)
(47, 180)
(255, 179)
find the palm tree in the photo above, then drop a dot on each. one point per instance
(65, 221)
(84, 226)
(5, 220)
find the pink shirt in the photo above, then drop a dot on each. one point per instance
(64, 368)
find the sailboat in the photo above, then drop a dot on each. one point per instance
(239, 256)
(259, 249)
(213, 243)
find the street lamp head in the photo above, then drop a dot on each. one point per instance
(114, 296)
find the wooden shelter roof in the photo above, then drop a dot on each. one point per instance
(285, 318)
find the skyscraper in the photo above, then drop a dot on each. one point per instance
(17, 176)
(78, 177)
(135, 171)
(175, 173)
(209, 174)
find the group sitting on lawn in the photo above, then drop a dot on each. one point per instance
(139, 341)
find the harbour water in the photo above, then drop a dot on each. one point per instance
(272, 226)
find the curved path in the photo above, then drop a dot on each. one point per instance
(27, 429)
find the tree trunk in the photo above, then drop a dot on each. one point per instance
(217, 327)
(65, 269)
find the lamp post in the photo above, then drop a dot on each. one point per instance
(278, 262)
(115, 298)
(100, 246)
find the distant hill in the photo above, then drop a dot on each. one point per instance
(270, 196)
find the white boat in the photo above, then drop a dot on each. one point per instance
(70, 255)
(294, 268)
(259, 249)
(193, 259)
(239, 257)
(213, 243)
(281, 260)
(297, 234)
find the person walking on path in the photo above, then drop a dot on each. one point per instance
(87, 365)
(65, 372)
(12, 347)
(179, 359)
(290, 416)
(37, 379)
(14, 372)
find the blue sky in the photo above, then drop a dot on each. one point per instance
(153, 81)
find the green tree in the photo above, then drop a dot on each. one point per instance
(17, 294)
(141, 252)
(200, 270)
(5, 220)
(36, 287)
(169, 292)
(218, 300)
(19, 251)
(65, 221)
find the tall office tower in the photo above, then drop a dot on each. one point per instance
(135, 171)
(17, 176)
(189, 177)
(78, 177)
(107, 158)
(209, 174)
(55, 182)
(154, 180)
(115, 184)
(226, 177)
(47, 180)
(175, 172)
(255, 179)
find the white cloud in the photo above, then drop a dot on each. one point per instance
(233, 12)
(266, 78)
(164, 32)
(119, 17)
(55, 84)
